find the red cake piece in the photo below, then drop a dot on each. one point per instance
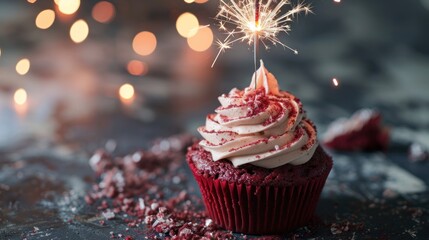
(362, 131)
(285, 175)
(256, 200)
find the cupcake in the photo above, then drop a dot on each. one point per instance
(259, 167)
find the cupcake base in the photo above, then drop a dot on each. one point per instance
(265, 202)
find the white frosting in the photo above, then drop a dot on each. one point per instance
(261, 126)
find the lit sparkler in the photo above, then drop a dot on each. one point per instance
(252, 21)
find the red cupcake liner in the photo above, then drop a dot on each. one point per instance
(260, 209)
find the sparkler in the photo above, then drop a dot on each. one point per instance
(255, 21)
(256, 36)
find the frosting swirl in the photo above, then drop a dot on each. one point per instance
(259, 125)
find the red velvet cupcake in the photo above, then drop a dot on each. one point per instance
(260, 169)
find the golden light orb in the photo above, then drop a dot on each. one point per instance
(187, 25)
(136, 68)
(79, 31)
(23, 66)
(103, 12)
(68, 6)
(126, 91)
(45, 19)
(144, 43)
(20, 96)
(202, 40)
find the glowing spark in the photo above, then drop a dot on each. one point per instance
(241, 17)
(335, 82)
(226, 44)
(337, 1)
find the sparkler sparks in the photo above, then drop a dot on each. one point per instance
(243, 22)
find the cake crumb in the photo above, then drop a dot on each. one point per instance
(124, 179)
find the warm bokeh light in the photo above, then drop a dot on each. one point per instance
(31, 1)
(20, 96)
(187, 25)
(136, 68)
(68, 6)
(126, 91)
(144, 43)
(335, 82)
(103, 12)
(45, 19)
(196, 1)
(79, 31)
(23, 66)
(337, 1)
(202, 40)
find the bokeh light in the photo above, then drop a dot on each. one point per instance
(335, 82)
(103, 12)
(31, 1)
(187, 25)
(201, 1)
(202, 40)
(68, 6)
(79, 31)
(45, 19)
(23, 66)
(144, 43)
(20, 96)
(136, 68)
(126, 91)
(189, 1)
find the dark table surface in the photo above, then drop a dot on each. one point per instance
(378, 50)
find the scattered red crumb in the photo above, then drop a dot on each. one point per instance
(138, 184)
(345, 226)
(363, 131)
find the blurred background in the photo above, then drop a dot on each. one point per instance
(89, 58)
(66, 61)
(79, 75)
